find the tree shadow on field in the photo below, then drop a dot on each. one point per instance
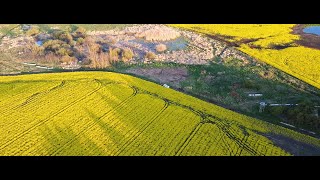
(65, 142)
(116, 137)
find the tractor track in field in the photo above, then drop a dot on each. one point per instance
(244, 139)
(188, 139)
(204, 118)
(222, 126)
(31, 108)
(14, 95)
(236, 139)
(33, 97)
(59, 87)
(218, 140)
(131, 140)
(53, 115)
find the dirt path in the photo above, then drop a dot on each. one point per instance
(292, 146)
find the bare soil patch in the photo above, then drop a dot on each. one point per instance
(172, 76)
(292, 146)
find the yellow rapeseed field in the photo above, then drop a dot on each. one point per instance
(104, 113)
(299, 61)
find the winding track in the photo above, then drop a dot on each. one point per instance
(205, 118)
(48, 118)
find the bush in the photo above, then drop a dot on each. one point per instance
(67, 59)
(65, 36)
(51, 58)
(249, 84)
(99, 60)
(277, 110)
(58, 47)
(52, 45)
(56, 34)
(79, 33)
(127, 54)
(64, 52)
(89, 40)
(86, 61)
(80, 41)
(161, 47)
(112, 41)
(81, 30)
(150, 55)
(37, 50)
(33, 31)
(104, 60)
(114, 54)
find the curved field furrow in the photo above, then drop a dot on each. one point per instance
(189, 138)
(99, 113)
(17, 94)
(43, 107)
(153, 118)
(34, 97)
(31, 98)
(212, 139)
(155, 139)
(42, 121)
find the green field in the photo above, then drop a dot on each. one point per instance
(104, 113)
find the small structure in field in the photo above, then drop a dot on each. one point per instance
(166, 86)
(29, 64)
(286, 124)
(262, 106)
(42, 67)
(255, 95)
(283, 104)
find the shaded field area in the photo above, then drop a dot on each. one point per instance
(104, 113)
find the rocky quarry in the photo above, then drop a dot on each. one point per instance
(143, 38)
(193, 48)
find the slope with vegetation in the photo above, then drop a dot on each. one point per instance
(274, 44)
(101, 113)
